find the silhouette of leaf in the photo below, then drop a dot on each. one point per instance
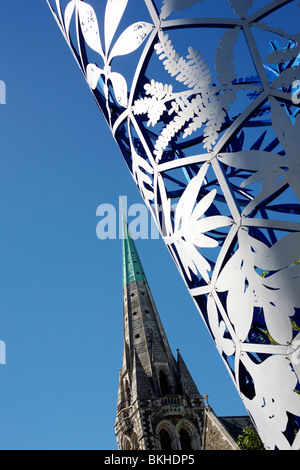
(241, 7)
(287, 77)
(176, 5)
(141, 171)
(282, 56)
(113, 15)
(190, 226)
(120, 88)
(89, 27)
(131, 39)
(68, 15)
(218, 328)
(93, 74)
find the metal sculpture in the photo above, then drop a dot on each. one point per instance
(212, 140)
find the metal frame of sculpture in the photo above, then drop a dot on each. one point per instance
(216, 157)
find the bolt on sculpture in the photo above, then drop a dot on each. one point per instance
(212, 140)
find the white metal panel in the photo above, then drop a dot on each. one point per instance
(224, 148)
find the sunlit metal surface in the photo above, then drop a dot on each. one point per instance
(202, 98)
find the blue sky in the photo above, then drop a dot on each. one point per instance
(61, 287)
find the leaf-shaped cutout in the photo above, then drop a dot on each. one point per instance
(120, 88)
(193, 229)
(241, 7)
(224, 57)
(89, 27)
(113, 15)
(93, 74)
(282, 56)
(283, 128)
(207, 224)
(68, 15)
(236, 298)
(287, 77)
(280, 296)
(131, 39)
(266, 164)
(284, 253)
(218, 329)
(188, 199)
(192, 260)
(184, 237)
(176, 5)
(141, 171)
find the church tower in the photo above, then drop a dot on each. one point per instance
(159, 406)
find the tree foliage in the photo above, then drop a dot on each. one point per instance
(249, 440)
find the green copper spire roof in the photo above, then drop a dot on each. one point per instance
(132, 266)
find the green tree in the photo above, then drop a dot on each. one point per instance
(249, 440)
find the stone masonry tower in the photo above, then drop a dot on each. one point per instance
(159, 405)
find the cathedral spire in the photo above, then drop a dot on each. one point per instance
(159, 406)
(143, 330)
(155, 389)
(132, 266)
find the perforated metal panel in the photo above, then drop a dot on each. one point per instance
(202, 98)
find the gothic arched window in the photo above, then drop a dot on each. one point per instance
(163, 382)
(185, 440)
(165, 441)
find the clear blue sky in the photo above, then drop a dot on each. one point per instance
(61, 287)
